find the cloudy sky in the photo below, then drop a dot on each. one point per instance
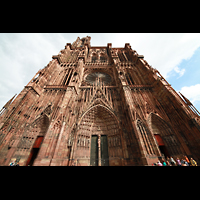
(175, 55)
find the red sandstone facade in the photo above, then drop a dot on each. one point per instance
(97, 106)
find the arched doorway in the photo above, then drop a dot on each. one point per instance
(36, 131)
(165, 138)
(98, 140)
(161, 145)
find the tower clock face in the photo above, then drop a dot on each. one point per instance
(105, 78)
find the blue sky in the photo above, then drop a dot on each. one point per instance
(175, 55)
(191, 68)
(187, 81)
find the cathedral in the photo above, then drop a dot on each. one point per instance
(97, 106)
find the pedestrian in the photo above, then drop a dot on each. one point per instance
(184, 162)
(178, 161)
(159, 163)
(168, 159)
(187, 160)
(193, 162)
(154, 164)
(12, 163)
(168, 163)
(172, 161)
(163, 162)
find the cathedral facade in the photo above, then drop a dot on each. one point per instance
(97, 106)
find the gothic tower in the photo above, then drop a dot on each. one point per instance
(97, 106)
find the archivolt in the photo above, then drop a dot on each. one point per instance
(95, 109)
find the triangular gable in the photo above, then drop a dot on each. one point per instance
(99, 97)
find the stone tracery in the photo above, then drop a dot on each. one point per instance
(100, 101)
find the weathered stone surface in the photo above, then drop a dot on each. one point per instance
(90, 91)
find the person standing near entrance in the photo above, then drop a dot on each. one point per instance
(12, 163)
(187, 160)
(193, 162)
(172, 161)
(178, 161)
(159, 163)
(163, 162)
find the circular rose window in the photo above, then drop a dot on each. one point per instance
(105, 78)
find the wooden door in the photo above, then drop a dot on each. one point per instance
(161, 145)
(159, 140)
(34, 151)
(104, 151)
(94, 151)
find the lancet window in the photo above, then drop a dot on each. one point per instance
(145, 135)
(94, 58)
(102, 58)
(129, 79)
(67, 77)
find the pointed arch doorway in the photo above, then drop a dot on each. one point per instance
(38, 128)
(99, 141)
(166, 140)
(161, 145)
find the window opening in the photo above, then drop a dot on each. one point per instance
(127, 78)
(132, 82)
(128, 56)
(94, 59)
(67, 78)
(102, 59)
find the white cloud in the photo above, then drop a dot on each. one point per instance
(192, 93)
(22, 55)
(164, 51)
(179, 71)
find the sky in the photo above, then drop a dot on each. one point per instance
(175, 55)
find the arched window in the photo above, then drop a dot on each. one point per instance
(129, 79)
(103, 58)
(94, 58)
(68, 76)
(121, 56)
